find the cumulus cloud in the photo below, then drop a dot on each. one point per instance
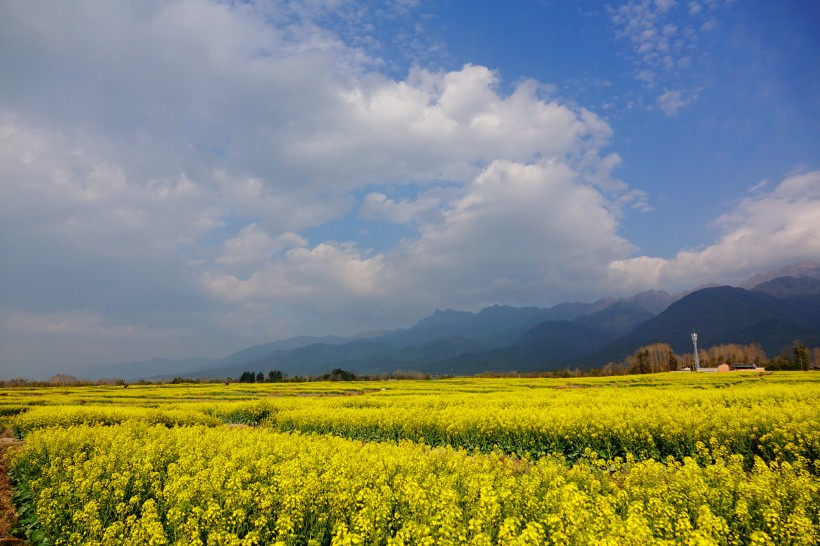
(253, 247)
(519, 230)
(75, 231)
(327, 280)
(762, 231)
(515, 233)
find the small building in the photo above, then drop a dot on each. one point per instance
(746, 367)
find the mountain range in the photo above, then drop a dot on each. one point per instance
(784, 306)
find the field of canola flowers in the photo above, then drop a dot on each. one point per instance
(661, 459)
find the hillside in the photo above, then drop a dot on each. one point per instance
(617, 320)
(433, 345)
(803, 269)
(724, 315)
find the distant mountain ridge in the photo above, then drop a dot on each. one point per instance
(774, 312)
(802, 269)
(721, 315)
(618, 319)
(783, 287)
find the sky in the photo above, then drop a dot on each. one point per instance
(188, 178)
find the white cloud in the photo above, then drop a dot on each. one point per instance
(514, 231)
(761, 184)
(252, 247)
(426, 208)
(271, 107)
(671, 102)
(55, 189)
(664, 5)
(763, 231)
(328, 279)
(663, 39)
(519, 230)
(643, 24)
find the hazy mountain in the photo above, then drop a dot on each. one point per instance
(652, 301)
(551, 345)
(571, 311)
(358, 356)
(798, 298)
(419, 357)
(212, 366)
(504, 338)
(313, 359)
(617, 320)
(719, 314)
(261, 351)
(561, 341)
(777, 311)
(803, 269)
(445, 334)
(498, 325)
(789, 286)
(724, 315)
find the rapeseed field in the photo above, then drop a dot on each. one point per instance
(661, 459)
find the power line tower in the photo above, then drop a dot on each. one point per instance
(695, 343)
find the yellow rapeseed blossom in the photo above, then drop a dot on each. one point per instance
(139, 484)
(668, 459)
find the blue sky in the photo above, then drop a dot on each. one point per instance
(187, 178)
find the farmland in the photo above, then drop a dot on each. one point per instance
(661, 459)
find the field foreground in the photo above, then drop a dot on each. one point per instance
(662, 459)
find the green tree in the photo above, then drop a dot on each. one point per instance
(801, 357)
(339, 374)
(672, 363)
(639, 362)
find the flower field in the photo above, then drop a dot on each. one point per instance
(662, 459)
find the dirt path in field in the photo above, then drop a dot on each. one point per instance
(8, 514)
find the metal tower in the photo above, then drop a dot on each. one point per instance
(695, 343)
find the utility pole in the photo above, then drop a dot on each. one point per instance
(695, 343)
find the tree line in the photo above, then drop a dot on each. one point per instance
(274, 376)
(659, 357)
(337, 374)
